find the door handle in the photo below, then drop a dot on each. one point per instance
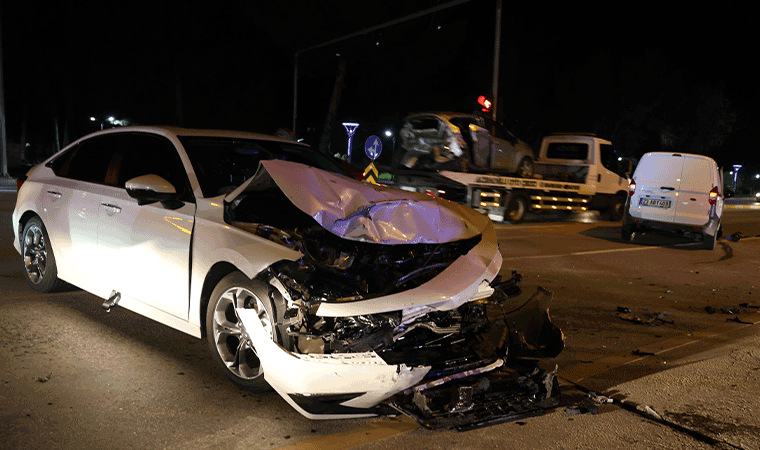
(667, 188)
(111, 208)
(55, 194)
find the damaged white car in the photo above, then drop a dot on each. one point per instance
(463, 143)
(350, 299)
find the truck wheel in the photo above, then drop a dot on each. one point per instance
(516, 209)
(616, 209)
(525, 168)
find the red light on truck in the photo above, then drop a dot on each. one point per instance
(631, 187)
(713, 195)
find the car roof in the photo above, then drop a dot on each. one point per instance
(446, 115)
(174, 132)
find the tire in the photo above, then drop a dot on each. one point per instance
(228, 343)
(626, 233)
(708, 241)
(39, 260)
(516, 209)
(616, 209)
(525, 168)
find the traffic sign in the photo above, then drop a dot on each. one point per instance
(370, 173)
(372, 147)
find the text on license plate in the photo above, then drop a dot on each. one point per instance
(654, 202)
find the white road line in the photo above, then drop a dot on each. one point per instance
(612, 250)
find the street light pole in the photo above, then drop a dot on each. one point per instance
(3, 140)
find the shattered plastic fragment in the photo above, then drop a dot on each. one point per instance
(588, 408)
(507, 395)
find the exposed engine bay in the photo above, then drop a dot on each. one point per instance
(470, 350)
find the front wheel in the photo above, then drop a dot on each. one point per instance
(39, 261)
(229, 343)
(525, 168)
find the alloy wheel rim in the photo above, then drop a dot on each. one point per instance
(233, 345)
(35, 254)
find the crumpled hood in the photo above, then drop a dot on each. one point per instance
(364, 212)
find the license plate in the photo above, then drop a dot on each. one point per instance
(654, 202)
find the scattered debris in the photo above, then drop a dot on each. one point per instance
(624, 309)
(709, 310)
(653, 321)
(747, 305)
(44, 379)
(587, 408)
(599, 398)
(738, 320)
(638, 352)
(648, 411)
(734, 237)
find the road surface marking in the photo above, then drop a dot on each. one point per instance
(594, 252)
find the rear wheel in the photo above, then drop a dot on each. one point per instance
(39, 261)
(626, 233)
(708, 241)
(516, 209)
(229, 343)
(525, 168)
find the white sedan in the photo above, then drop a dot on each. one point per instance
(348, 297)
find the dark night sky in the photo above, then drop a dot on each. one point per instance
(633, 76)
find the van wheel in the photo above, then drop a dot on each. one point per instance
(708, 241)
(626, 233)
(516, 209)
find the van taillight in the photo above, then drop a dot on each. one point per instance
(631, 187)
(20, 181)
(713, 195)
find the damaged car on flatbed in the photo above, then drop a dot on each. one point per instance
(351, 299)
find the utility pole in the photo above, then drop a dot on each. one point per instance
(359, 33)
(3, 140)
(496, 51)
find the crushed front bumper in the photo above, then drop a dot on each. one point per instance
(500, 382)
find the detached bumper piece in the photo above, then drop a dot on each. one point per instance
(482, 399)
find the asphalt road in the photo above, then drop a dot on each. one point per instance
(74, 376)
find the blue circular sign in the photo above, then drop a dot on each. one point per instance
(372, 147)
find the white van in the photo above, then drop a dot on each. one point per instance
(676, 192)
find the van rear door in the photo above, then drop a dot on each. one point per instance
(693, 206)
(657, 182)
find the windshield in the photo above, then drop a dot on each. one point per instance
(222, 164)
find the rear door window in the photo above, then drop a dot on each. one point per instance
(662, 169)
(697, 174)
(89, 161)
(567, 150)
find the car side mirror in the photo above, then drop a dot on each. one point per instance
(152, 188)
